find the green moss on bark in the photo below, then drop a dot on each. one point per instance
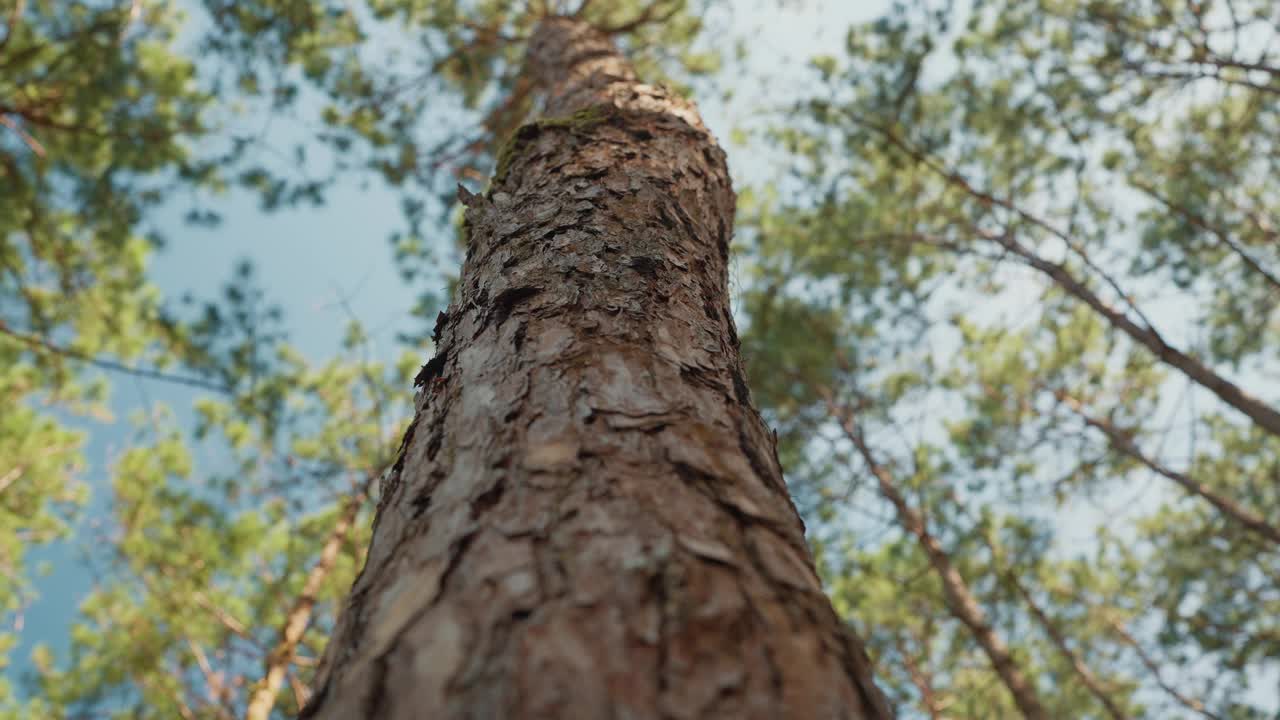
(576, 122)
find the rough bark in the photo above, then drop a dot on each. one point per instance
(589, 519)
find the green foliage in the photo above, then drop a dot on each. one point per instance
(957, 165)
(95, 107)
(110, 112)
(891, 292)
(204, 563)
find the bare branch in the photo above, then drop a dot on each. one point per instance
(960, 599)
(299, 615)
(1123, 442)
(45, 345)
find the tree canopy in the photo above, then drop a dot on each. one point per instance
(1009, 293)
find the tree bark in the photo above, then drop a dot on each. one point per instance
(588, 519)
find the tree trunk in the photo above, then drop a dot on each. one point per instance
(589, 519)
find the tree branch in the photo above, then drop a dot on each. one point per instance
(1188, 702)
(960, 599)
(299, 616)
(1200, 222)
(26, 137)
(42, 344)
(1121, 441)
(1082, 671)
(1265, 416)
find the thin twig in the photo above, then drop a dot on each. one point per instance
(42, 344)
(26, 137)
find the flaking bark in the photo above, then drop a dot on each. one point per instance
(589, 519)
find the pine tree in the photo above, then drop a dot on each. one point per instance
(588, 518)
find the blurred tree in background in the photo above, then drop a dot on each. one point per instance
(1011, 303)
(1029, 250)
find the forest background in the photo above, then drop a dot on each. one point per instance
(1006, 275)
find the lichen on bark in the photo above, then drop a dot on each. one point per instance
(579, 120)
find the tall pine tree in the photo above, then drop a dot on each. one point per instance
(588, 518)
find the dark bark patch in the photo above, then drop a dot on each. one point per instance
(700, 377)
(433, 446)
(646, 266)
(760, 463)
(394, 478)
(430, 371)
(733, 331)
(457, 552)
(441, 318)
(517, 340)
(486, 500)
(508, 299)
(740, 389)
(421, 504)
(693, 476)
(591, 173)
(658, 588)
(687, 222)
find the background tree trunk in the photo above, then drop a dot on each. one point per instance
(588, 519)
